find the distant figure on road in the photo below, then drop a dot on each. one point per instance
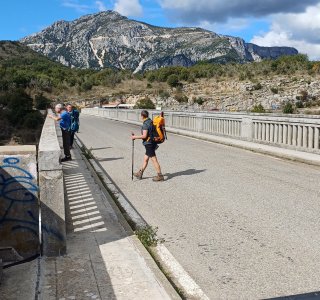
(74, 114)
(65, 123)
(150, 146)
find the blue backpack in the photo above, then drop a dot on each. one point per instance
(74, 120)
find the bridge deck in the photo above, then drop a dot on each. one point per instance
(243, 225)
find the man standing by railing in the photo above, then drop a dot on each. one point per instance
(65, 123)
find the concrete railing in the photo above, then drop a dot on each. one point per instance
(51, 192)
(295, 132)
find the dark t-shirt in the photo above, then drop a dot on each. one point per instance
(146, 126)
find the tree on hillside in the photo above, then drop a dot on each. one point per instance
(173, 81)
(41, 102)
(145, 103)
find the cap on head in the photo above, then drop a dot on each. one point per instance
(145, 113)
(59, 106)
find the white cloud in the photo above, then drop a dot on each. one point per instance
(131, 8)
(191, 11)
(100, 5)
(232, 25)
(82, 8)
(299, 30)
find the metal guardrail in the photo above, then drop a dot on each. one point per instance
(299, 132)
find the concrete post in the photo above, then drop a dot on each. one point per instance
(311, 137)
(271, 133)
(294, 135)
(305, 137)
(285, 134)
(247, 128)
(316, 138)
(299, 136)
(263, 131)
(280, 137)
(289, 134)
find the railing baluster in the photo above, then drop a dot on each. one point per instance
(305, 137)
(311, 137)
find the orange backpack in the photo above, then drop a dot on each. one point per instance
(159, 129)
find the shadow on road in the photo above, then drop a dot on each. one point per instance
(109, 159)
(188, 172)
(100, 148)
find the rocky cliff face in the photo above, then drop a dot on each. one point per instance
(108, 39)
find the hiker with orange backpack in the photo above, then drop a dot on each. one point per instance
(152, 134)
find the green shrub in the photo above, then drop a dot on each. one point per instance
(41, 102)
(258, 109)
(288, 108)
(173, 81)
(299, 104)
(257, 86)
(274, 90)
(181, 98)
(32, 120)
(151, 77)
(86, 86)
(144, 103)
(199, 100)
(304, 95)
(148, 236)
(164, 94)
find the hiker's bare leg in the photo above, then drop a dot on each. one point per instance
(156, 164)
(145, 163)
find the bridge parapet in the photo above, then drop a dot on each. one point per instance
(298, 132)
(51, 186)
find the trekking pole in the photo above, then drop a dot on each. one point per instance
(132, 159)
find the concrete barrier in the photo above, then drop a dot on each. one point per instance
(19, 200)
(297, 132)
(51, 192)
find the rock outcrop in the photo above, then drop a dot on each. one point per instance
(108, 39)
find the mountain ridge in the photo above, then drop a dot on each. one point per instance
(108, 39)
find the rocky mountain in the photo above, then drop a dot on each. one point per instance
(108, 39)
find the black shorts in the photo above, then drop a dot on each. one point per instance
(151, 150)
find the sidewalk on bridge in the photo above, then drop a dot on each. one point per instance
(104, 259)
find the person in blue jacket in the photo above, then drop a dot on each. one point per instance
(64, 120)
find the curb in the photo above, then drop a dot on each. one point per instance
(170, 267)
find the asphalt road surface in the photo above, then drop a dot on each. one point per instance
(243, 225)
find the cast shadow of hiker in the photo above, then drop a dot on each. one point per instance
(188, 172)
(100, 148)
(109, 159)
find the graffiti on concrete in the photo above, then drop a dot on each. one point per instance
(17, 189)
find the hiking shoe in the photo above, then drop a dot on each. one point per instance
(157, 178)
(66, 159)
(138, 174)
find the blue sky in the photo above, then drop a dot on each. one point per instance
(293, 23)
(19, 18)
